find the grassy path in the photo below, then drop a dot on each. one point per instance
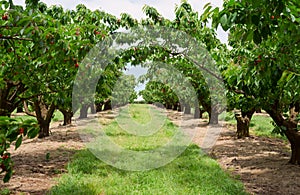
(190, 173)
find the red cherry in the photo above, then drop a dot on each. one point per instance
(21, 130)
(5, 156)
(76, 65)
(272, 17)
(4, 17)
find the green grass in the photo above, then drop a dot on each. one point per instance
(4, 191)
(57, 116)
(129, 141)
(190, 173)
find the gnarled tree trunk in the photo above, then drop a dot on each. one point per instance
(44, 115)
(169, 106)
(107, 105)
(243, 123)
(83, 111)
(213, 118)
(180, 107)
(93, 108)
(99, 107)
(197, 112)
(175, 106)
(9, 97)
(187, 109)
(68, 114)
(290, 130)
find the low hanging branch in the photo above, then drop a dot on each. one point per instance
(27, 111)
(15, 38)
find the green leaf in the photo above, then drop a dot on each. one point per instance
(18, 142)
(255, 20)
(265, 32)
(32, 132)
(257, 37)
(223, 21)
(7, 176)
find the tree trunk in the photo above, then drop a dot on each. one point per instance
(20, 109)
(258, 110)
(180, 107)
(44, 115)
(169, 106)
(99, 107)
(290, 132)
(201, 113)
(68, 114)
(107, 105)
(294, 139)
(197, 112)
(213, 118)
(9, 97)
(84, 111)
(213, 115)
(242, 126)
(175, 107)
(187, 109)
(44, 130)
(243, 123)
(93, 108)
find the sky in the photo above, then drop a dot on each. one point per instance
(134, 7)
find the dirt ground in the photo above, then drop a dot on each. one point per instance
(260, 163)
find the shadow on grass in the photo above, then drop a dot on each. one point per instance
(191, 173)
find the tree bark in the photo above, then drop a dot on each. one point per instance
(68, 114)
(187, 109)
(84, 111)
(107, 105)
(9, 97)
(44, 115)
(197, 112)
(213, 118)
(44, 130)
(175, 107)
(20, 108)
(169, 106)
(93, 108)
(99, 107)
(179, 107)
(290, 130)
(243, 123)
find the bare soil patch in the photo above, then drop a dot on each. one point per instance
(39, 161)
(260, 163)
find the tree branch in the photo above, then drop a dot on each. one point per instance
(27, 110)
(15, 38)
